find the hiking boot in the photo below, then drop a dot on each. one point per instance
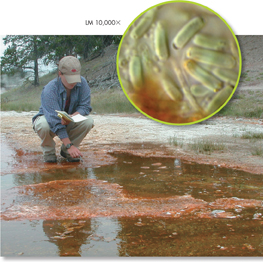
(68, 157)
(50, 158)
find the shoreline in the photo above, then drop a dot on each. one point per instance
(121, 131)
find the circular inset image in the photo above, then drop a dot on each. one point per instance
(179, 63)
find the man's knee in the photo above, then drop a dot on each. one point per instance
(89, 123)
(42, 126)
(86, 125)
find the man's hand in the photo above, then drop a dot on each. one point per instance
(74, 152)
(76, 113)
(64, 121)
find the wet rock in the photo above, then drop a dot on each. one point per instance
(257, 216)
(156, 164)
(234, 202)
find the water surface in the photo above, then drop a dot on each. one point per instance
(136, 206)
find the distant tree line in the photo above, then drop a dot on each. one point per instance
(24, 52)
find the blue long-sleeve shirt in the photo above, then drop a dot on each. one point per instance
(53, 97)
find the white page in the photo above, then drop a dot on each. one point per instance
(78, 118)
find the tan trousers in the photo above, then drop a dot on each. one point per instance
(76, 132)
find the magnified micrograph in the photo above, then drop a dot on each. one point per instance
(179, 63)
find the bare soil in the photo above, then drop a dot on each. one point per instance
(122, 132)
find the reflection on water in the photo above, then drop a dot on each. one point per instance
(7, 156)
(190, 237)
(136, 236)
(156, 177)
(162, 177)
(90, 237)
(68, 235)
(138, 206)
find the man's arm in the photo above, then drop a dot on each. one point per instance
(73, 151)
(84, 107)
(49, 102)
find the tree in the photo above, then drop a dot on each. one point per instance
(78, 45)
(23, 53)
(60, 46)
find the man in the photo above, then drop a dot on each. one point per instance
(69, 92)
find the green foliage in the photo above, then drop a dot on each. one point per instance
(252, 135)
(111, 101)
(25, 97)
(204, 146)
(21, 99)
(245, 104)
(78, 45)
(25, 51)
(175, 142)
(257, 150)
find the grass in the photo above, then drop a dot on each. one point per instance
(243, 76)
(175, 142)
(257, 150)
(111, 101)
(251, 135)
(205, 146)
(245, 104)
(199, 146)
(21, 99)
(248, 104)
(28, 99)
(255, 141)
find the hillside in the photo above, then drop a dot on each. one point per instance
(100, 72)
(252, 60)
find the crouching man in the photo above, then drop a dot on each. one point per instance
(68, 92)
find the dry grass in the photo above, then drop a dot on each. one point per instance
(206, 146)
(247, 104)
(111, 101)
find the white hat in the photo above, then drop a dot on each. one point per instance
(70, 67)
